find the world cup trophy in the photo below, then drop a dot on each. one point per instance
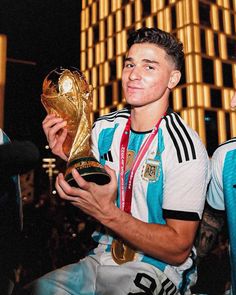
(67, 94)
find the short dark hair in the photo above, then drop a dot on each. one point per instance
(172, 46)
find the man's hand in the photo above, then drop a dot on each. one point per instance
(95, 200)
(56, 134)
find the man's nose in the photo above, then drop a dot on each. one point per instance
(135, 73)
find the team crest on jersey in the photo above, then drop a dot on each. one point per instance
(151, 170)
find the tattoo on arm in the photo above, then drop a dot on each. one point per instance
(211, 225)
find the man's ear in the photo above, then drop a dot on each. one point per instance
(174, 79)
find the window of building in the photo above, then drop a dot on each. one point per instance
(221, 22)
(133, 12)
(204, 14)
(183, 77)
(112, 66)
(123, 18)
(227, 74)
(124, 2)
(232, 18)
(97, 12)
(155, 24)
(130, 30)
(114, 22)
(203, 41)
(231, 48)
(108, 95)
(231, 5)
(96, 33)
(106, 26)
(216, 101)
(211, 131)
(216, 44)
(173, 17)
(146, 11)
(207, 70)
(227, 123)
(109, 7)
(120, 92)
(114, 44)
(184, 98)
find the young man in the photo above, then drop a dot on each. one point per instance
(221, 197)
(159, 172)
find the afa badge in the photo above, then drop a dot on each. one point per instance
(151, 170)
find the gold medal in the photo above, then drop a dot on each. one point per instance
(121, 253)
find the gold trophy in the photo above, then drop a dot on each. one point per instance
(67, 94)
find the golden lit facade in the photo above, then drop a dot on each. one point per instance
(208, 32)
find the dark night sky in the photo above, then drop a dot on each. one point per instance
(46, 33)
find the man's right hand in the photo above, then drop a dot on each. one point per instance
(55, 132)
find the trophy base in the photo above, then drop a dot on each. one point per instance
(89, 168)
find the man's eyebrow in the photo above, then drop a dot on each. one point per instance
(128, 59)
(146, 60)
(150, 61)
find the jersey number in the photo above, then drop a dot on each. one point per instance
(148, 290)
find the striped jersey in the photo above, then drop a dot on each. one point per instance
(170, 181)
(215, 193)
(221, 194)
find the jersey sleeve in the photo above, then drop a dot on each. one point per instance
(185, 183)
(215, 195)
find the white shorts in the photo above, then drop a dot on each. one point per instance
(100, 275)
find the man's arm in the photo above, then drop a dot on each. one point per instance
(210, 227)
(170, 242)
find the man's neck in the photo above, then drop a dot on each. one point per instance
(145, 118)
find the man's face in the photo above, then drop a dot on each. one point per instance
(233, 101)
(147, 74)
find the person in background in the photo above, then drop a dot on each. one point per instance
(16, 157)
(221, 199)
(153, 204)
(10, 224)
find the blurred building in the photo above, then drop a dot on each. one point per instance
(208, 32)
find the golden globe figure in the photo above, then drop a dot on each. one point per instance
(67, 94)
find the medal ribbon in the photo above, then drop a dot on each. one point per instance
(126, 196)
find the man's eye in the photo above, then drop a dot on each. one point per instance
(129, 65)
(149, 68)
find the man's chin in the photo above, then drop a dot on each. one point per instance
(136, 102)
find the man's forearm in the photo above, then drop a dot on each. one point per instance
(169, 242)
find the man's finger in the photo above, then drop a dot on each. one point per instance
(112, 174)
(64, 190)
(82, 183)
